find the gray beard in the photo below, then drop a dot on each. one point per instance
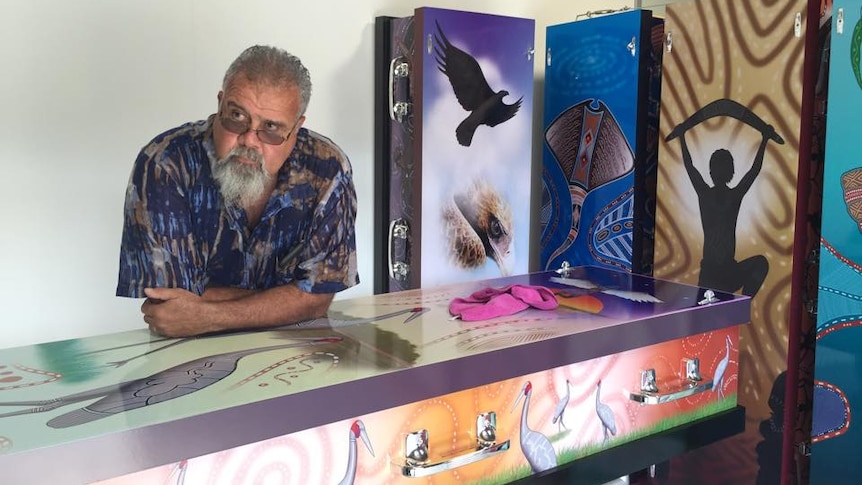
(238, 183)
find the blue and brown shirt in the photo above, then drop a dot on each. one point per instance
(178, 233)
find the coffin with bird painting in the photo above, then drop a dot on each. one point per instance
(587, 369)
(600, 146)
(454, 97)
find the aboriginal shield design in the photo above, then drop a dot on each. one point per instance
(601, 90)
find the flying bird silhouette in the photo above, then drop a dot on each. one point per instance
(486, 107)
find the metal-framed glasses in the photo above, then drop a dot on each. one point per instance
(239, 123)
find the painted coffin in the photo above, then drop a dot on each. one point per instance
(837, 385)
(387, 388)
(733, 207)
(600, 147)
(454, 122)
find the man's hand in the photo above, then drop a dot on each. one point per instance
(175, 312)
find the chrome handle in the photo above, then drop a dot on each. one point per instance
(416, 450)
(416, 470)
(486, 429)
(692, 370)
(398, 270)
(690, 384)
(397, 69)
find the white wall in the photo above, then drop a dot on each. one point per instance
(85, 83)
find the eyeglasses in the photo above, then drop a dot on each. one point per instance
(243, 126)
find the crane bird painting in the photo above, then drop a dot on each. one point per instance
(474, 94)
(605, 414)
(173, 383)
(357, 430)
(535, 446)
(478, 226)
(560, 410)
(718, 378)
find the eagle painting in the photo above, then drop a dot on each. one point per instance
(486, 107)
(478, 226)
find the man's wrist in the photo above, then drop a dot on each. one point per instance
(213, 316)
(225, 293)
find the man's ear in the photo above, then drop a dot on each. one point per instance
(220, 94)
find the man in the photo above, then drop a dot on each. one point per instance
(719, 211)
(245, 219)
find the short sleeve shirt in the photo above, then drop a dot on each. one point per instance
(178, 232)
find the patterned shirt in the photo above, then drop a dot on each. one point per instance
(178, 233)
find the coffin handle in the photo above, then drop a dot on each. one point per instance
(689, 384)
(398, 68)
(416, 451)
(399, 270)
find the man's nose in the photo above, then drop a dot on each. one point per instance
(251, 140)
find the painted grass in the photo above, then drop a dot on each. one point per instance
(572, 454)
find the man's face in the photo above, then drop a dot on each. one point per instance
(264, 108)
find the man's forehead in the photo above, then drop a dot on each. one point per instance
(263, 97)
(241, 82)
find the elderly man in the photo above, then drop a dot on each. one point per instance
(245, 219)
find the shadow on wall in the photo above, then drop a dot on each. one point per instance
(772, 430)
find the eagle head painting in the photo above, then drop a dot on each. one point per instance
(486, 107)
(478, 226)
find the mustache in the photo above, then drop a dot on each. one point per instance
(244, 152)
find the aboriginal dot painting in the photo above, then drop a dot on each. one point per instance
(837, 386)
(602, 78)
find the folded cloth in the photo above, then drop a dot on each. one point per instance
(495, 302)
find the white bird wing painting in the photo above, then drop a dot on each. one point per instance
(637, 296)
(577, 283)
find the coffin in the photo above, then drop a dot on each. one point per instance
(835, 385)
(453, 144)
(600, 146)
(387, 389)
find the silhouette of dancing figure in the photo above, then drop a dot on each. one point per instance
(719, 211)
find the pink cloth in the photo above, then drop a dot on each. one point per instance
(495, 302)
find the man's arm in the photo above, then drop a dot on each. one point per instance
(175, 312)
(749, 177)
(158, 241)
(693, 174)
(222, 293)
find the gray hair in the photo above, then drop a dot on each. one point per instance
(272, 66)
